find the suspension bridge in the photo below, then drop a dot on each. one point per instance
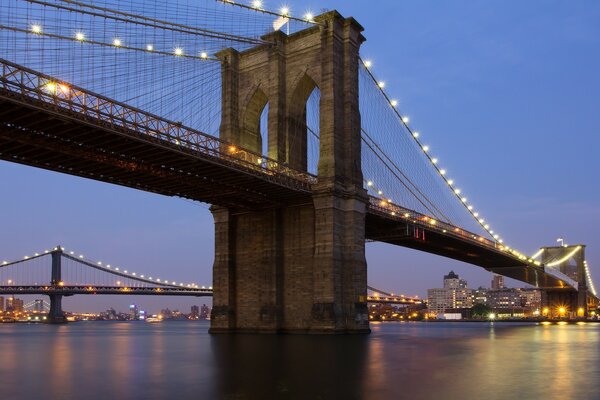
(57, 273)
(274, 120)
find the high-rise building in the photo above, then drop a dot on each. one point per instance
(453, 281)
(195, 314)
(454, 295)
(498, 282)
(134, 312)
(205, 312)
(1, 303)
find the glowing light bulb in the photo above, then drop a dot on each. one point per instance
(394, 103)
(80, 36)
(368, 63)
(369, 183)
(379, 192)
(150, 47)
(257, 4)
(178, 51)
(464, 199)
(117, 42)
(37, 29)
(425, 149)
(443, 171)
(285, 10)
(476, 214)
(309, 16)
(481, 220)
(405, 120)
(457, 191)
(470, 208)
(450, 182)
(381, 84)
(203, 55)
(416, 134)
(435, 160)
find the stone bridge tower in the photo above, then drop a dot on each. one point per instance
(297, 267)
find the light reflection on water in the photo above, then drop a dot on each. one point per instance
(179, 360)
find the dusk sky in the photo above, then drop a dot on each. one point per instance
(506, 93)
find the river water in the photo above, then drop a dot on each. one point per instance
(180, 360)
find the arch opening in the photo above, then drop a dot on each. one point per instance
(303, 126)
(252, 123)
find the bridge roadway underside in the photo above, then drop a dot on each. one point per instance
(389, 230)
(40, 134)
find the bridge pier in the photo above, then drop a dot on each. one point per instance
(56, 315)
(298, 267)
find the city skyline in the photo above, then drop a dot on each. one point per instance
(459, 105)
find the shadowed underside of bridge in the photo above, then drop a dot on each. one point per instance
(45, 135)
(385, 228)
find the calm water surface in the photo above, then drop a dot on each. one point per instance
(180, 360)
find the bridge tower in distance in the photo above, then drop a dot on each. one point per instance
(56, 315)
(573, 301)
(300, 266)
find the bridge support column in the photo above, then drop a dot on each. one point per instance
(298, 267)
(56, 315)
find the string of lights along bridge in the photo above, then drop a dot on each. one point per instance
(274, 119)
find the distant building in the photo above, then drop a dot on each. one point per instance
(15, 305)
(1, 303)
(111, 314)
(195, 314)
(453, 281)
(454, 295)
(528, 300)
(504, 298)
(498, 282)
(205, 312)
(531, 299)
(480, 296)
(134, 312)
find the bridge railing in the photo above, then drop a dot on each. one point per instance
(64, 96)
(391, 210)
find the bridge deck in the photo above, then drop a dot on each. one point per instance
(91, 290)
(81, 133)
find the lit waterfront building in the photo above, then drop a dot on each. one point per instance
(454, 295)
(195, 312)
(526, 301)
(1, 303)
(480, 296)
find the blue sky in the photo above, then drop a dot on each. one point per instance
(505, 93)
